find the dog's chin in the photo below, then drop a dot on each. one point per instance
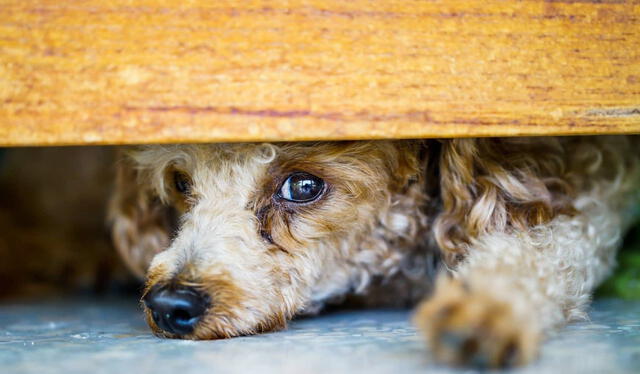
(216, 326)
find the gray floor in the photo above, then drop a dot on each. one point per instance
(109, 336)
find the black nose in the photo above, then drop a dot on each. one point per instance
(176, 309)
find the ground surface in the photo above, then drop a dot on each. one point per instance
(109, 336)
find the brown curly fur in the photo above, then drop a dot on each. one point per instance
(493, 184)
(524, 224)
(527, 227)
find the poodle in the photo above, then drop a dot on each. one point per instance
(500, 240)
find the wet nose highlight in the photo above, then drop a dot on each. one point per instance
(176, 310)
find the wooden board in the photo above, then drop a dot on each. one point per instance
(122, 72)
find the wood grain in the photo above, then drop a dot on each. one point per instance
(156, 71)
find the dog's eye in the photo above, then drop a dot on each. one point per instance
(181, 182)
(301, 188)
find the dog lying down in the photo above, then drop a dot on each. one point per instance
(236, 239)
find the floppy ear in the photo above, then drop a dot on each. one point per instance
(498, 185)
(140, 223)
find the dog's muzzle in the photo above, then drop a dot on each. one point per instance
(176, 310)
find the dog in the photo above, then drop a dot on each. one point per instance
(503, 239)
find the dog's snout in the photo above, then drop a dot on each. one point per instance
(176, 310)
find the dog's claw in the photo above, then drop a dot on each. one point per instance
(468, 329)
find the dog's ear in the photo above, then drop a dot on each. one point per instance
(141, 224)
(404, 165)
(497, 185)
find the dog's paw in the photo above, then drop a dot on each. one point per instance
(466, 328)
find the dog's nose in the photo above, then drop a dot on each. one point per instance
(176, 310)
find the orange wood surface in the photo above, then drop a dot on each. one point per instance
(157, 71)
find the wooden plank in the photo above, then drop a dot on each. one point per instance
(122, 72)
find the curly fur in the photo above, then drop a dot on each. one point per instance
(527, 227)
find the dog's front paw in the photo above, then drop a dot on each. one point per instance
(467, 328)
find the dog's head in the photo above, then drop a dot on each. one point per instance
(237, 238)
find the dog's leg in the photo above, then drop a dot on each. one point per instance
(514, 287)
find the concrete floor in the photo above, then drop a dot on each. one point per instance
(109, 336)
